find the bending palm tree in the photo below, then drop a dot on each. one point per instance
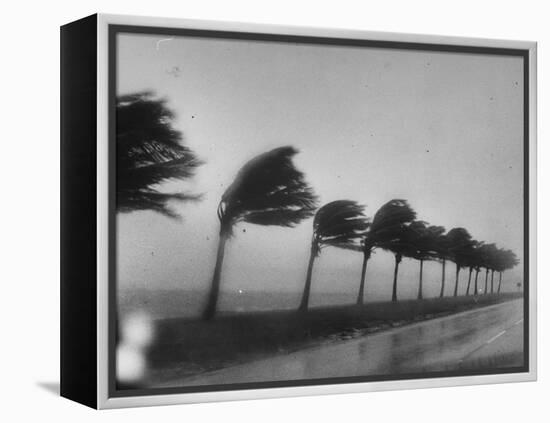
(477, 269)
(268, 190)
(148, 153)
(387, 227)
(337, 224)
(477, 261)
(442, 246)
(459, 243)
(425, 240)
(400, 248)
(470, 261)
(397, 237)
(492, 262)
(487, 255)
(469, 281)
(507, 259)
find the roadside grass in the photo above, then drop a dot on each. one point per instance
(184, 347)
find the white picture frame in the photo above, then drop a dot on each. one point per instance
(100, 394)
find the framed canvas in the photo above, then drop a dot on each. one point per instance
(253, 211)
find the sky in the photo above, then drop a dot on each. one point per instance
(442, 130)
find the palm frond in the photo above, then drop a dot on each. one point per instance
(277, 217)
(390, 228)
(340, 224)
(350, 224)
(389, 220)
(152, 200)
(421, 239)
(268, 190)
(459, 244)
(149, 152)
(507, 259)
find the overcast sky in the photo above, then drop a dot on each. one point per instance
(442, 130)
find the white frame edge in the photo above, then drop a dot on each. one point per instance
(103, 400)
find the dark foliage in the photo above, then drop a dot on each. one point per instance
(424, 240)
(459, 246)
(391, 231)
(390, 228)
(497, 259)
(487, 254)
(506, 259)
(268, 190)
(149, 152)
(340, 224)
(470, 256)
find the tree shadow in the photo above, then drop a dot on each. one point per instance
(51, 387)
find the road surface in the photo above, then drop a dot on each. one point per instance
(488, 337)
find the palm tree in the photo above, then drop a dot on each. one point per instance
(149, 152)
(507, 259)
(386, 228)
(487, 253)
(339, 224)
(471, 262)
(442, 248)
(477, 269)
(476, 261)
(268, 190)
(499, 282)
(459, 244)
(424, 239)
(469, 280)
(499, 265)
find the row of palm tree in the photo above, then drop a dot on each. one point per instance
(269, 190)
(394, 228)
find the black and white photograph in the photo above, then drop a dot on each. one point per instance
(275, 211)
(294, 211)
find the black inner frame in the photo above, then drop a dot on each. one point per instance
(113, 30)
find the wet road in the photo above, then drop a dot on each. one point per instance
(483, 338)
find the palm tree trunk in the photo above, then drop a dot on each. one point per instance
(394, 291)
(420, 280)
(486, 279)
(475, 285)
(492, 278)
(469, 281)
(210, 309)
(442, 279)
(307, 288)
(456, 280)
(361, 294)
(499, 281)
